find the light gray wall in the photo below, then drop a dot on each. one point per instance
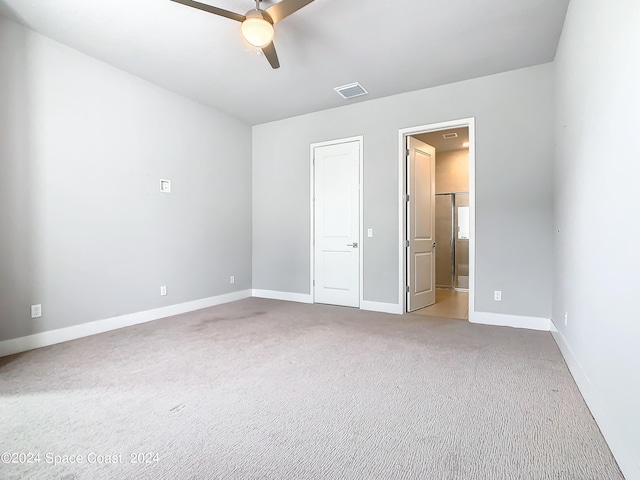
(84, 228)
(597, 211)
(514, 130)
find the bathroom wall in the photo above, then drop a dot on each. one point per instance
(452, 171)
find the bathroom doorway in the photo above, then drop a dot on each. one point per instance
(453, 223)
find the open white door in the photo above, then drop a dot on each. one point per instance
(337, 224)
(421, 260)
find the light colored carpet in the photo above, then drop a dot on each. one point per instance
(262, 389)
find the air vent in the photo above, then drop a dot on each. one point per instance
(351, 90)
(448, 136)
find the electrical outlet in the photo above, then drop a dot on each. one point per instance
(232, 279)
(566, 318)
(36, 311)
(497, 295)
(165, 186)
(163, 290)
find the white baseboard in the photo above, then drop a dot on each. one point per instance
(381, 307)
(628, 464)
(51, 337)
(307, 298)
(516, 321)
(286, 296)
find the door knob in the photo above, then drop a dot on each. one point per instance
(354, 244)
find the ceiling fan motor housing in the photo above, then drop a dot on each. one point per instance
(257, 13)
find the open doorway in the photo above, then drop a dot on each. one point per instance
(451, 222)
(437, 213)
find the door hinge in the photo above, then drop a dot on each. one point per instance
(407, 289)
(406, 198)
(407, 244)
(407, 152)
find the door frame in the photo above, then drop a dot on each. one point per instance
(403, 133)
(312, 214)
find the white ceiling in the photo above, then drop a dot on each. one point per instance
(389, 46)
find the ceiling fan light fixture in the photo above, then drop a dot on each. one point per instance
(257, 31)
(257, 25)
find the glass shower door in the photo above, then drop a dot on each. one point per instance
(462, 224)
(444, 240)
(452, 240)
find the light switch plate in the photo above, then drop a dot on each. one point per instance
(370, 233)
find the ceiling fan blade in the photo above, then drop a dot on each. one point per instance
(270, 52)
(214, 10)
(285, 8)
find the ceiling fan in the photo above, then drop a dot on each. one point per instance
(257, 24)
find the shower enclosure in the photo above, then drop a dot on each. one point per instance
(452, 240)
